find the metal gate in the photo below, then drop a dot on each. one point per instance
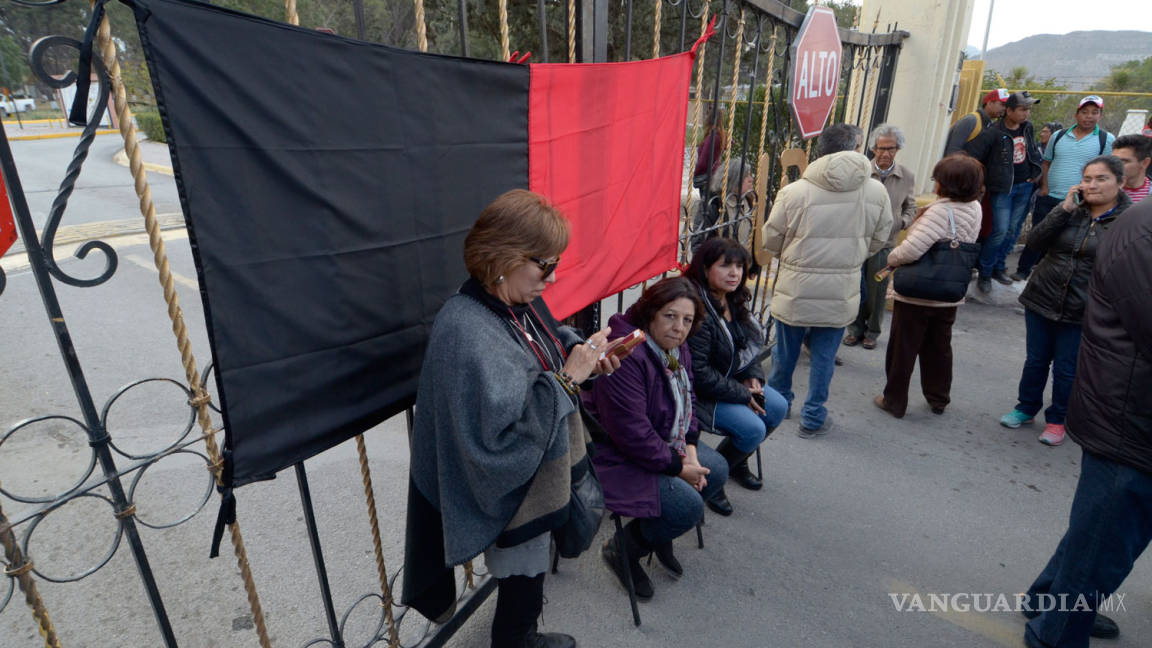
(74, 469)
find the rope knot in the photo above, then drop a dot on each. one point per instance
(19, 570)
(200, 399)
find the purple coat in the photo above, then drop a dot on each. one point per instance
(636, 408)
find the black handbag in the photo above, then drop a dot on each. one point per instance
(943, 273)
(586, 506)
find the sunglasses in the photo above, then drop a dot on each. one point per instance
(547, 266)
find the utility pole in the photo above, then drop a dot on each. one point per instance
(987, 28)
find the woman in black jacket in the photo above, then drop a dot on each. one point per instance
(731, 398)
(1056, 292)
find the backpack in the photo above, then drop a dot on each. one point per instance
(979, 125)
(1103, 134)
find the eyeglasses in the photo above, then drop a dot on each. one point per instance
(886, 149)
(547, 266)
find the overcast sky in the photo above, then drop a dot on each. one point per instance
(1013, 20)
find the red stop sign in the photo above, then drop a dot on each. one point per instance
(815, 74)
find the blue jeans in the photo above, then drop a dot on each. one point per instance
(1007, 209)
(824, 343)
(746, 428)
(1109, 526)
(681, 506)
(1048, 344)
(1028, 258)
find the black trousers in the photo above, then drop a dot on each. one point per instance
(923, 332)
(519, 602)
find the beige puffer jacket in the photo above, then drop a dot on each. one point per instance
(932, 226)
(822, 228)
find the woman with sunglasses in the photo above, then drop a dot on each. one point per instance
(497, 425)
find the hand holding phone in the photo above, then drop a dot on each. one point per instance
(623, 346)
(1074, 199)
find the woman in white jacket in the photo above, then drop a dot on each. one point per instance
(922, 328)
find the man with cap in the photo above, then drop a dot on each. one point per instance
(1064, 158)
(968, 127)
(1012, 165)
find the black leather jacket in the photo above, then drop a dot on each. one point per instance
(993, 147)
(714, 375)
(1110, 411)
(1058, 289)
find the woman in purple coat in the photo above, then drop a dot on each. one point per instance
(651, 467)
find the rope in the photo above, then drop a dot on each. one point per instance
(767, 93)
(20, 568)
(382, 571)
(126, 513)
(155, 240)
(290, 14)
(468, 575)
(656, 29)
(866, 118)
(504, 48)
(422, 34)
(571, 31)
(857, 72)
(732, 113)
(687, 224)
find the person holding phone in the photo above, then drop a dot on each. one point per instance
(1057, 291)
(652, 466)
(497, 425)
(727, 349)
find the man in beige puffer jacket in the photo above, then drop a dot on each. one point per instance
(822, 228)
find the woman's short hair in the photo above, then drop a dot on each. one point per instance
(659, 295)
(1113, 163)
(838, 138)
(961, 178)
(735, 178)
(517, 225)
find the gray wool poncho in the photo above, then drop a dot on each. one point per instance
(490, 443)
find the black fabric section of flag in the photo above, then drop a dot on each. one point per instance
(328, 185)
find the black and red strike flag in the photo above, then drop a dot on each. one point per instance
(328, 185)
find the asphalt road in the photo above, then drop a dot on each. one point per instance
(104, 190)
(879, 507)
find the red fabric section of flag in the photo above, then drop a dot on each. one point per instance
(8, 233)
(606, 146)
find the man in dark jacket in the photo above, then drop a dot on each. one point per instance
(968, 127)
(1012, 164)
(1110, 416)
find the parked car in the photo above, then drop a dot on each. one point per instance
(22, 104)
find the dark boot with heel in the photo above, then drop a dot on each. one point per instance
(738, 470)
(636, 548)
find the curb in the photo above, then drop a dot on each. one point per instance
(121, 158)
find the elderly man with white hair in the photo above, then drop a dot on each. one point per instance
(884, 142)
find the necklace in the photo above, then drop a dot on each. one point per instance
(537, 348)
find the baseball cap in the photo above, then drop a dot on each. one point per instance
(1091, 99)
(1018, 99)
(999, 94)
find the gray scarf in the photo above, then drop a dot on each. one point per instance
(677, 377)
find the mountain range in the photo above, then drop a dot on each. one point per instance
(1075, 60)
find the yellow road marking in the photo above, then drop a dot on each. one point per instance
(149, 264)
(106, 131)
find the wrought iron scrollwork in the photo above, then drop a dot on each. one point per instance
(37, 57)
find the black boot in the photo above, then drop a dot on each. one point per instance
(667, 558)
(549, 640)
(738, 470)
(720, 504)
(637, 548)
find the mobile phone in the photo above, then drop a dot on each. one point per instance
(629, 342)
(1078, 197)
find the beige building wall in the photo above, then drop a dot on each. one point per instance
(927, 70)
